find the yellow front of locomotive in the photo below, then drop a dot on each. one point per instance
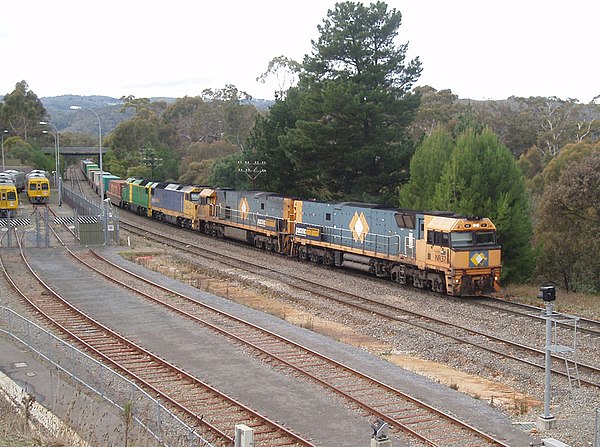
(475, 258)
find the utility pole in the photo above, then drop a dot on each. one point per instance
(252, 169)
(150, 159)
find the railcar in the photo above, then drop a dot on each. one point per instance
(9, 198)
(137, 194)
(114, 192)
(87, 166)
(262, 219)
(18, 179)
(99, 180)
(38, 187)
(106, 179)
(175, 203)
(83, 165)
(440, 251)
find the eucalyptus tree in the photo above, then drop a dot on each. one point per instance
(22, 110)
(569, 224)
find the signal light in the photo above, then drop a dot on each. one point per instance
(547, 293)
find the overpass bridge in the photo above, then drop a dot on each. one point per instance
(75, 151)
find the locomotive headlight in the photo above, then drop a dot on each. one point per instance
(496, 278)
(457, 280)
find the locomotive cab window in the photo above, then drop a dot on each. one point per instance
(44, 186)
(11, 195)
(327, 216)
(438, 238)
(472, 239)
(462, 239)
(485, 238)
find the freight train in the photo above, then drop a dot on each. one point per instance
(441, 251)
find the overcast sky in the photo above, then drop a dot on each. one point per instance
(479, 49)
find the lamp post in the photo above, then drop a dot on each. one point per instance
(3, 132)
(57, 177)
(56, 148)
(104, 216)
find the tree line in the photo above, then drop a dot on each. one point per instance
(351, 126)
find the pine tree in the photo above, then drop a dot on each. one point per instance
(426, 167)
(475, 175)
(352, 139)
(482, 178)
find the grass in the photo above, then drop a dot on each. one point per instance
(14, 432)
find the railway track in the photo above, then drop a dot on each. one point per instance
(201, 404)
(584, 325)
(371, 397)
(502, 347)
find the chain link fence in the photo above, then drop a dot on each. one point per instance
(147, 414)
(90, 226)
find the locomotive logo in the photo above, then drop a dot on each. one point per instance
(244, 208)
(478, 259)
(308, 232)
(359, 226)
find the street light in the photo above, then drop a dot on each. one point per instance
(56, 157)
(56, 149)
(104, 216)
(3, 132)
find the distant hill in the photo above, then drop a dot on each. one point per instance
(66, 120)
(107, 108)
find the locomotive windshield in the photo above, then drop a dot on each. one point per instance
(472, 239)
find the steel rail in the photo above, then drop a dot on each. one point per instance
(592, 329)
(145, 357)
(371, 384)
(334, 295)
